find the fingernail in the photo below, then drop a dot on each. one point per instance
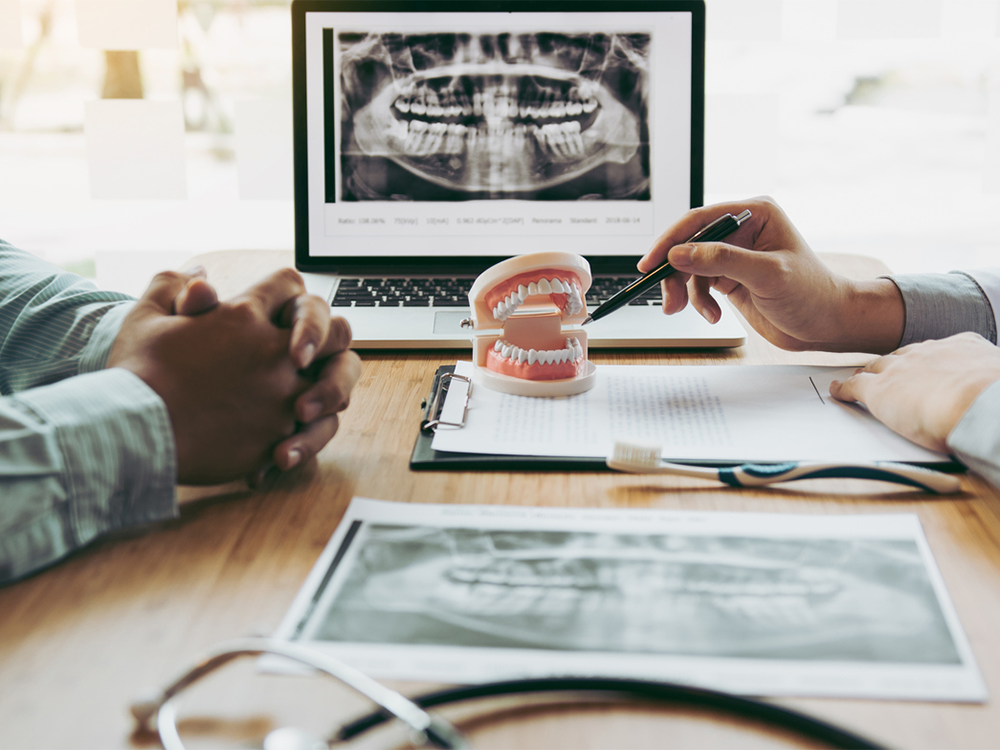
(681, 256)
(311, 410)
(294, 457)
(196, 271)
(260, 475)
(306, 356)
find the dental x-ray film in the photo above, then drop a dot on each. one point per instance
(450, 116)
(760, 604)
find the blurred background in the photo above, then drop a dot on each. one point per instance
(135, 134)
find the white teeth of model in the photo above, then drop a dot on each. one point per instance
(498, 345)
(522, 293)
(557, 286)
(532, 356)
(544, 287)
(533, 288)
(558, 109)
(513, 301)
(589, 105)
(574, 109)
(522, 356)
(505, 350)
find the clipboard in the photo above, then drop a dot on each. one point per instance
(425, 458)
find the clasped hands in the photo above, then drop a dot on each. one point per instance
(254, 381)
(796, 302)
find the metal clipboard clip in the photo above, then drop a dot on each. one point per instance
(434, 405)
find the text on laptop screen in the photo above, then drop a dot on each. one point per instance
(496, 134)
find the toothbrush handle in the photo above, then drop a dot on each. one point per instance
(756, 475)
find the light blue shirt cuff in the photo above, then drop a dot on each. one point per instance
(108, 445)
(939, 305)
(95, 353)
(975, 441)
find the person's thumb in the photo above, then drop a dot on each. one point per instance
(197, 296)
(164, 289)
(748, 267)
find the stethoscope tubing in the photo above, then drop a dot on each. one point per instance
(765, 713)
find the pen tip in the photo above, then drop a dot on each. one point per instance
(588, 319)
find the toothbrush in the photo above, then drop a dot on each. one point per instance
(644, 458)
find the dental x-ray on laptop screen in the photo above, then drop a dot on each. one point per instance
(433, 139)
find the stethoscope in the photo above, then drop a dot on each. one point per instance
(427, 729)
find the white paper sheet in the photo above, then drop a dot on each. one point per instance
(751, 603)
(707, 413)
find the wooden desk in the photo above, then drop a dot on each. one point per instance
(80, 641)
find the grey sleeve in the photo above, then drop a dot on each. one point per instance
(939, 305)
(975, 441)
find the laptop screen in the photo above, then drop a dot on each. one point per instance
(466, 132)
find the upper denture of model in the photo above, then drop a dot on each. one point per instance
(541, 352)
(563, 288)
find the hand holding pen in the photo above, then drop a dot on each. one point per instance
(777, 283)
(717, 230)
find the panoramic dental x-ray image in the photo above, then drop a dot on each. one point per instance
(486, 116)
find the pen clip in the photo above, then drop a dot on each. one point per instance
(711, 227)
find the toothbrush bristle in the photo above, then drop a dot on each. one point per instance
(637, 454)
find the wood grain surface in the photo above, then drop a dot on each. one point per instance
(80, 641)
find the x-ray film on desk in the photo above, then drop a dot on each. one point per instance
(761, 604)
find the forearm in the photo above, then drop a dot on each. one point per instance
(872, 318)
(53, 324)
(78, 459)
(976, 438)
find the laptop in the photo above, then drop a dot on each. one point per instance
(434, 139)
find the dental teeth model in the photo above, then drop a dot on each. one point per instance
(526, 314)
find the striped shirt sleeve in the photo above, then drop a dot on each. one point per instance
(83, 450)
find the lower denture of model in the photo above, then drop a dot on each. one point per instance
(533, 346)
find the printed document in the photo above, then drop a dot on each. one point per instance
(753, 603)
(697, 413)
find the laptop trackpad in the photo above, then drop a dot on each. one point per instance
(450, 322)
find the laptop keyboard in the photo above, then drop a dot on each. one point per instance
(454, 292)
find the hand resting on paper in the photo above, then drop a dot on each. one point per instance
(922, 390)
(776, 281)
(256, 379)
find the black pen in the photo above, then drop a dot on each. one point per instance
(721, 227)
